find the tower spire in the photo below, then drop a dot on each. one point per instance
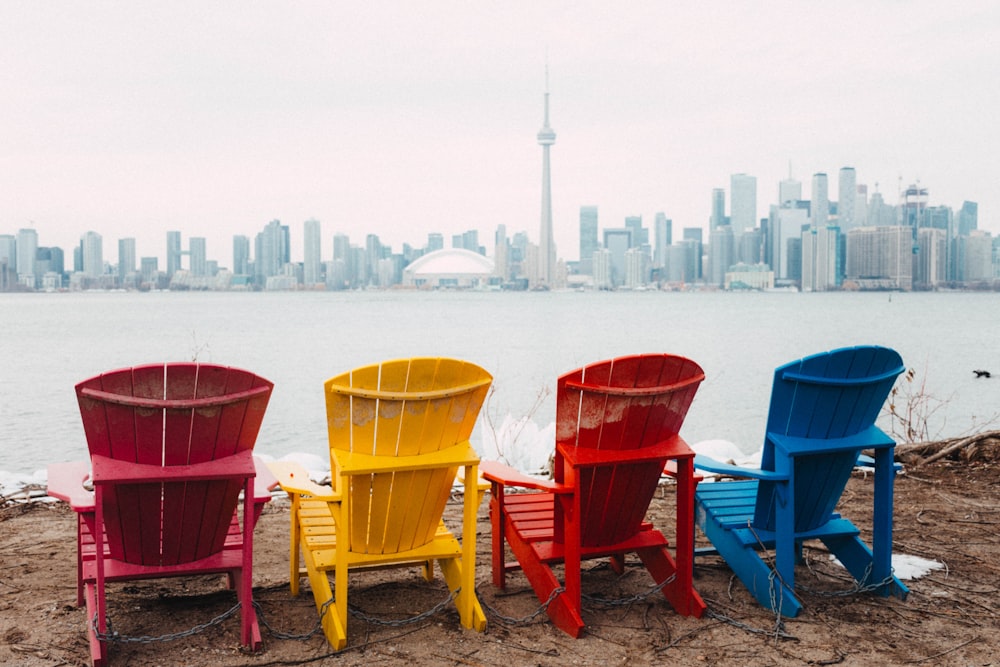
(546, 246)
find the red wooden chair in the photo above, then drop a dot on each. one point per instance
(170, 453)
(617, 424)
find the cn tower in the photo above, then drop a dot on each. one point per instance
(546, 247)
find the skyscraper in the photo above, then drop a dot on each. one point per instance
(313, 257)
(546, 245)
(126, 258)
(718, 208)
(742, 203)
(847, 198)
(662, 239)
(588, 239)
(173, 253)
(27, 248)
(198, 252)
(820, 209)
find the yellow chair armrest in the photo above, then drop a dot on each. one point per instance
(293, 478)
(353, 463)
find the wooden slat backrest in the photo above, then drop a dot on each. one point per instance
(166, 415)
(621, 404)
(834, 394)
(402, 408)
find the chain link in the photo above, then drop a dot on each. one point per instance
(524, 620)
(112, 636)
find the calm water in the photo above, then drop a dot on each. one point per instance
(51, 341)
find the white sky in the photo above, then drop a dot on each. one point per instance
(402, 118)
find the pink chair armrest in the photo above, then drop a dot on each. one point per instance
(65, 482)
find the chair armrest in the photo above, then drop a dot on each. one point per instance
(504, 475)
(263, 482)
(870, 438)
(294, 479)
(702, 462)
(670, 470)
(354, 463)
(65, 482)
(110, 471)
(582, 457)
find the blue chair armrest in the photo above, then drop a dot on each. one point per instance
(702, 462)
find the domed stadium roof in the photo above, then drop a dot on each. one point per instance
(451, 261)
(451, 267)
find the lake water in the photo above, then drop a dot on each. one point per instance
(49, 342)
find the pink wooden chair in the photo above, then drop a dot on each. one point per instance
(170, 453)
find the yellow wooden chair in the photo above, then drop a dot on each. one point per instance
(399, 434)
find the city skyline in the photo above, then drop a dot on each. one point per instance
(144, 122)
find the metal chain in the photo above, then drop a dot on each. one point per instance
(638, 597)
(357, 613)
(278, 634)
(112, 636)
(524, 620)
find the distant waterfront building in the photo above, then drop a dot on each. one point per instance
(501, 254)
(880, 257)
(373, 253)
(662, 240)
(27, 249)
(270, 251)
(861, 206)
(932, 259)
(241, 255)
(789, 190)
(820, 206)
(588, 238)
(173, 253)
(312, 264)
(721, 254)
(453, 268)
(749, 276)
(640, 235)
(126, 259)
(198, 250)
(742, 203)
(718, 215)
(976, 257)
(820, 266)
(546, 242)
(786, 224)
(149, 267)
(92, 255)
(636, 268)
(435, 241)
(913, 205)
(8, 251)
(617, 241)
(968, 218)
(847, 196)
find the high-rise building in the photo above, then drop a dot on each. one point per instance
(968, 218)
(932, 258)
(173, 253)
(546, 244)
(617, 242)
(92, 254)
(662, 240)
(588, 238)
(718, 216)
(640, 235)
(820, 207)
(847, 197)
(270, 251)
(198, 250)
(312, 264)
(126, 258)
(27, 249)
(435, 241)
(880, 257)
(861, 206)
(501, 254)
(241, 255)
(789, 190)
(720, 253)
(742, 203)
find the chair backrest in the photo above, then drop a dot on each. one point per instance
(167, 415)
(625, 403)
(402, 408)
(834, 394)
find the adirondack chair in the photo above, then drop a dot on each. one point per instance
(399, 433)
(617, 424)
(822, 415)
(170, 453)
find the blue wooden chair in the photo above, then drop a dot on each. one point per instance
(822, 415)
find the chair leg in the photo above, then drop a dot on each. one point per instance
(470, 612)
(683, 598)
(334, 627)
(857, 558)
(293, 558)
(98, 649)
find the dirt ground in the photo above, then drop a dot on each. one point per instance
(947, 512)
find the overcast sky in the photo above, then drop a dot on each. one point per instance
(403, 118)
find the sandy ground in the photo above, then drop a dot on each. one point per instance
(946, 511)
